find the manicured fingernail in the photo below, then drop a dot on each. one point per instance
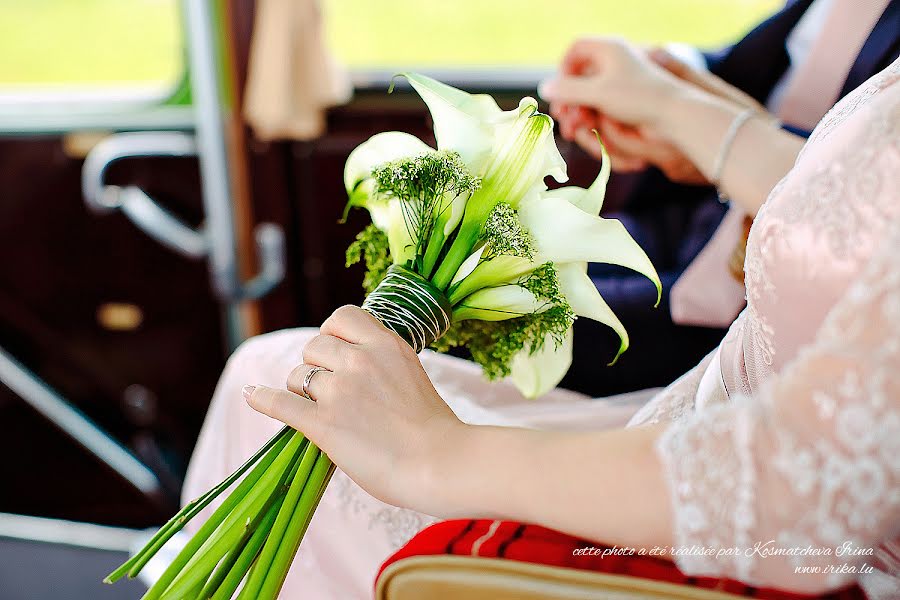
(247, 391)
(547, 89)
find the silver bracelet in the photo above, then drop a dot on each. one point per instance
(725, 148)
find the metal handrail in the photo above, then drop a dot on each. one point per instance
(143, 211)
(217, 244)
(76, 425)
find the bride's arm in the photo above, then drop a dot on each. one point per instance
(605, 486)
(759, 155)
(622, 83)
(378, 417)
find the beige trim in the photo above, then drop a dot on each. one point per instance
(450, 577)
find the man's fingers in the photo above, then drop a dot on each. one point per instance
(319, 383)
(289, 408)
(557, 110)
(353, 324)
(627, 141)
(621, 162)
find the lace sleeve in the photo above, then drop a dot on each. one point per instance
(676, 400)
(793, 488)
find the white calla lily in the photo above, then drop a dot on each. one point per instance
(589, 200)
(524, 154)
(580, 291)
(388, 216)
(484, 135)
(586, 301)
(377, 150)
(499, 304)
(538, 373)
(465, 269)
(454, 213)
(512, 151)
(473, 275)
(564, 233)
(463, 122)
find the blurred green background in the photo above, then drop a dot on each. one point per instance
(140, 42)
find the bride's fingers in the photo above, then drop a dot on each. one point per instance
(319, 383)
(291, 409)
(353, 324)
(327, 351)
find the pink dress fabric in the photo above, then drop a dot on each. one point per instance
(789, 432)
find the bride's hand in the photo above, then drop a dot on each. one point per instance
(616, 79)
(376, 413)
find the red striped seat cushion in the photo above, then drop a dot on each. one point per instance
(534, 544)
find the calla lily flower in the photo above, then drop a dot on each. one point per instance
(474, 275)
(567, 231)
(563, 233)
(498, 304)
(377, 150)
(511, 151)
(387, 214)
(486, 136)
(536, 374)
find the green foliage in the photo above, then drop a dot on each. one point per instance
(426, 177)
(543, 282)
(371, 247)
(425, 185)
(475, 34)
(503, 234)
(493, 344)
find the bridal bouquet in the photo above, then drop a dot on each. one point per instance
(468, 248)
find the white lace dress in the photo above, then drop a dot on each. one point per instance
(788, 435)
(805, 451)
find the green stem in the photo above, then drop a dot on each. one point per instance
(273, 505)
(246, 559)
(212, 536)
(234, 528)
(259, 529)
(459, 251)
(303, 514)
(274, 541)
(195, 591)
(433, 251)
(133, 566)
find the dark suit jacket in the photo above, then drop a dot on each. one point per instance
(757, 62)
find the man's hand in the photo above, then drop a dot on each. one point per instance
(634, 149)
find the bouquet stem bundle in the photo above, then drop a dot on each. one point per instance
(252, 537)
